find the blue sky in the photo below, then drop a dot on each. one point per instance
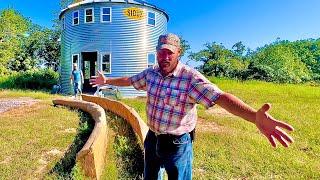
(254, 22)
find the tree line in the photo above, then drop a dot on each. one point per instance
(26, 46)
(281, 61)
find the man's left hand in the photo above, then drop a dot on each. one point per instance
(271, 127)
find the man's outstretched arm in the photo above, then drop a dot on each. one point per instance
(101, 80)
(268, 125)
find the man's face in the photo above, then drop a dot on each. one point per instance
(167, 60)
(75, 67)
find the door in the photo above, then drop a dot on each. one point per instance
(89, 68)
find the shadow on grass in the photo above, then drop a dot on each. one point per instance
(63, 169)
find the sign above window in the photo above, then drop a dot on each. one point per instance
(134, 13)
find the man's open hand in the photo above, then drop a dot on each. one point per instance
(271, 127)
(97, 80)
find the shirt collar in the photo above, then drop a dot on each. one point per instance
(175, 71)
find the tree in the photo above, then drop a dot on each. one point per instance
(49, 49)
(40, 47)
(278, 63)
(238, 48)
(219, 61)
(309, 53)
(13, 27)
(185, 47)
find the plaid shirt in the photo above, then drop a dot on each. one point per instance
(171, 100)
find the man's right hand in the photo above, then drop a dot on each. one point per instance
(98, 80)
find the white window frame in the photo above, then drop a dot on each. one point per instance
(101, 62)
(73, 18)
(155, 17)
(155, 59)
(101, 15)
(78, 59)
(85, 15)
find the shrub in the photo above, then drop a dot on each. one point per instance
(33, 79)
(278, 63)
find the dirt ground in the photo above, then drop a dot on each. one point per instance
(7, 104)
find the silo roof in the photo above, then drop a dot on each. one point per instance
(137, 2)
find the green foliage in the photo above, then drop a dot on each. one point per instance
(48, 47)
(22, 61)
(185, 46)
(24, 46)
(219, 61)
(281, 61)
(13, 27)
(309, 53)
(238, 48)
(127, 149)
(32, 79)
(41, 47)
(77, 173)
(278, 63)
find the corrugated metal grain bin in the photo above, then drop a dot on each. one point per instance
(118, 37)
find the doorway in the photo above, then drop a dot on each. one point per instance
(89, 68)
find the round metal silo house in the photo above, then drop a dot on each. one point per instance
(118, 37)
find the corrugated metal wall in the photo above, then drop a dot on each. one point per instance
(127, 40)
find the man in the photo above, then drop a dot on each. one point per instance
(77, 80)
(173, 90)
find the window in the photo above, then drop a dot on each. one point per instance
(75, 16)
(89, 15)
(151, 59)
(106, 63)
(106, 14)
(63, 23)
(75, 59)
(151, 18)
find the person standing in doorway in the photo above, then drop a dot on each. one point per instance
(77, 80)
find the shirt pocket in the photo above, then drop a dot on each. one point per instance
(175, 97)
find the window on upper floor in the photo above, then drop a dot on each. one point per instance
(75, 18)
(106, 14)
(151, 18)
(89, 15)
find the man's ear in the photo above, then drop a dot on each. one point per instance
(180, 51)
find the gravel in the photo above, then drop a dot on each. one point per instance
(7, 104)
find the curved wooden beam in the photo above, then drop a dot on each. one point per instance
(124, 111)
(92, 156)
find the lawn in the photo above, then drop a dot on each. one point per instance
(238, 151)
(34, 139)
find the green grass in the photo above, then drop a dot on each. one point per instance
(28, 134)
(237, 152)
(110, 171)
(124, 158)
(240, 151)
(67, 168)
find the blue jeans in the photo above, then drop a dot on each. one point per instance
(77, 88)
(173, 153)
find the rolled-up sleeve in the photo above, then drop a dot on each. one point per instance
(139, 81)
(203, 91)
